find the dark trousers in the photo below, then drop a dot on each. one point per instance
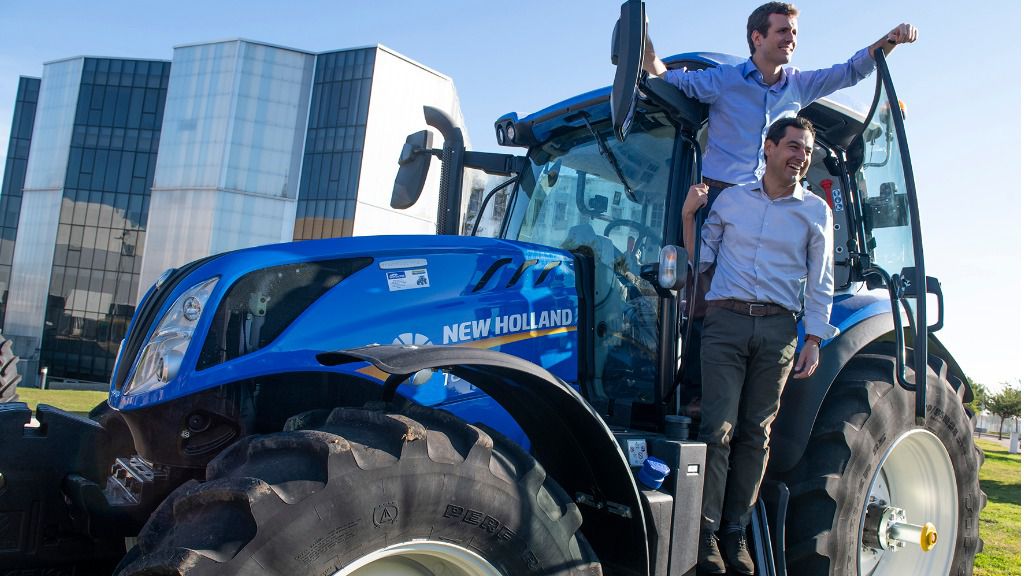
(745, 362)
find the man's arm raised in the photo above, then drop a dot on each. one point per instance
(652, 64)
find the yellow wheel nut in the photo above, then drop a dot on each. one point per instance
(929, 536)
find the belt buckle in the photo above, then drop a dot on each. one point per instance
(761, 309)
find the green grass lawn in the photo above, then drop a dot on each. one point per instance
(1000, 520)
(80, 401)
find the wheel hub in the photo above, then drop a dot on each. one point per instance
(914, 482)
(886, 528)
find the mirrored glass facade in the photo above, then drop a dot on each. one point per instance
(334, 144)
(230, 152)
(236, 112)
(14, 179)
(101, 228)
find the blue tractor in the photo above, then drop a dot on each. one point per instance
(493, 406)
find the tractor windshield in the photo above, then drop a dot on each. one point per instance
(609, 206)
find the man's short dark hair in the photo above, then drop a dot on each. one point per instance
(758, 19)
(778, 128)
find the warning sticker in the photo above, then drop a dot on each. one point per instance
(408, 279)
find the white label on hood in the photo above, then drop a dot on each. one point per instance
(408, 279)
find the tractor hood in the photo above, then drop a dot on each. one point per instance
(272, 309)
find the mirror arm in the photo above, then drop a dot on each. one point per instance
(493, 163)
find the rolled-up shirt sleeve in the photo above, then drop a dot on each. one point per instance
(703, 85)
(814, 84)
(818, 291)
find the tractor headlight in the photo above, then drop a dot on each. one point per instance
(161, 357)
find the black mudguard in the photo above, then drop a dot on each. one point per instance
(39, 532)
(567, 436)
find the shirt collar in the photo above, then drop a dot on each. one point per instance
(798, 192)
(749, 70)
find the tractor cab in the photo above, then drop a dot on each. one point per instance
(606, 202)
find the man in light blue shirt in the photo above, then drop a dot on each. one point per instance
(744, 100)
(772, 244)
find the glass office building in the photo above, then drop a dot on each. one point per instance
(132, 167)
(231, 151)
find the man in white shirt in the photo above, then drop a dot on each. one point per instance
(771, 242)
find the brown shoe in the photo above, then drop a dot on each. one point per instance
(709, 559)
(736, 554)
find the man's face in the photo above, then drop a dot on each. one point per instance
(778, 45)
(791, 157)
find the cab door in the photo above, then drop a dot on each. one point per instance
(891, 249)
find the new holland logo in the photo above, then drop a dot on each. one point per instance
(507, 324)
(411, 339)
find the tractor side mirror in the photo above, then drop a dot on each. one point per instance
(413, 164)
(628, 40)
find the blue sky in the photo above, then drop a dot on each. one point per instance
(960, 82)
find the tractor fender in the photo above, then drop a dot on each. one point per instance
(568, 438)
(801, 399)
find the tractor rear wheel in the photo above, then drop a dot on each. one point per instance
(9, 377)
(355, 492)
(869, 471)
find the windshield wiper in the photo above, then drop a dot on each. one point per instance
(602, 146)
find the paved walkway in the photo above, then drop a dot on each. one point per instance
(994, 438)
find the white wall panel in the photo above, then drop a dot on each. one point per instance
(401, 87)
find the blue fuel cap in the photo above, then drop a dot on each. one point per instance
(652, 473)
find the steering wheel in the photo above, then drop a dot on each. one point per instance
(643, 233)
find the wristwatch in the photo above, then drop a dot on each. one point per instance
(812, 339)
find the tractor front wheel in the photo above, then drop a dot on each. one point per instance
(355, 492)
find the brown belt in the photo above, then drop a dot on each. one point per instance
(749, 308)
(717, 183)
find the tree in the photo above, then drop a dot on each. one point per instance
(980, 394)
(1005, 404)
